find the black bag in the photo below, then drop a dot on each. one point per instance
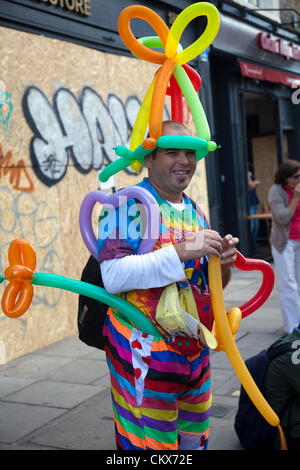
(253, 431)
(91, 312)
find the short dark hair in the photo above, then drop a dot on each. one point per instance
(178, 125)
(285, 170)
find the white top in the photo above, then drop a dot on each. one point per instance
(155, 269)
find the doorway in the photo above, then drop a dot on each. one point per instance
(261, 160)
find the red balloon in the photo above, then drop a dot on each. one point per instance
(175, 92)
(249, 264)
(176, 100)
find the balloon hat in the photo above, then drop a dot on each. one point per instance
(174, 78)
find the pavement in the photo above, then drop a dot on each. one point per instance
(58, 397)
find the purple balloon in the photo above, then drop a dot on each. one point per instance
(108, 200)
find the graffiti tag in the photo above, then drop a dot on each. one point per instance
(10, 129)
(83, 131)
(17, 172)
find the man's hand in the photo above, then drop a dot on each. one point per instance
(228, 256)
(229, 250)
(200, 244)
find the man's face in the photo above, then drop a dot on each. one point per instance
(172, 169)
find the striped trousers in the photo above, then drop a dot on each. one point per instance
(161, 398)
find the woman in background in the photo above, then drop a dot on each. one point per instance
(284, 202)
(253, 204)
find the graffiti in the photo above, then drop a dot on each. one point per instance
(84, 131)
(17, 172)
(10, 129)
(25, 216)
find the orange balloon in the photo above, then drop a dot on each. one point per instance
(18, 294)
(158, 98)
(17, 298)
(18, 272)
(138, 49)
(21, 252)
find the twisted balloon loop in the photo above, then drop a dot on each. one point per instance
(171, 60)
(18, 294)
(182, 80)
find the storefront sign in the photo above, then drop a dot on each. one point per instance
(82, 7)
(271, 75)
(270, 43)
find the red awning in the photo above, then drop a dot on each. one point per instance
(270, 75)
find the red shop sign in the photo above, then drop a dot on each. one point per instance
(263, 73)
(270, 43)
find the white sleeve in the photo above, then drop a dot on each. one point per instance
(155, 269)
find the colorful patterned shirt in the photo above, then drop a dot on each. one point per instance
(120, 235)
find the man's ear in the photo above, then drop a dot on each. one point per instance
(148, 161)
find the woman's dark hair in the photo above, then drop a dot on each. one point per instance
(285, 170)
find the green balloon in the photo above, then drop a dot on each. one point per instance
(193, 101)
(198, 144)
(154, 42)
(100, 294)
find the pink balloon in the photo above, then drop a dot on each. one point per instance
(107, 200)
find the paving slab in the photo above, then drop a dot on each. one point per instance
(82, 371)
(54, 394)
(33, 365)
(89, 426)
(222, 434)
(10, 385)
(18, 419)
(219, 360)
(219, 377)
(257, 340)
(72, 347)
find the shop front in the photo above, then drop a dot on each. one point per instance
(255, 75)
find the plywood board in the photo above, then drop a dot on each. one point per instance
(63, 109)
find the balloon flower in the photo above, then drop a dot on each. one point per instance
(18, 293)
(174, 77)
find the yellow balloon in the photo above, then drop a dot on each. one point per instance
(234, 318)
(182, 20)
(136, 165)
(142, 120)
(228, 343)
